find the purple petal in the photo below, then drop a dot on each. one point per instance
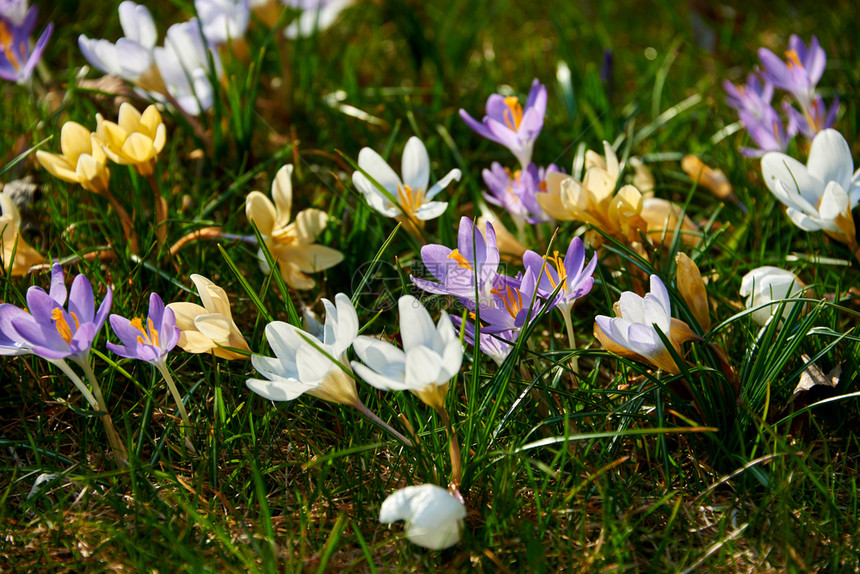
(82, 340)
(81, 302)
(104, 309)
(40, 305)
(58, 284)
(476, 126)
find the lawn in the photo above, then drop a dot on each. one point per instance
(707, 422)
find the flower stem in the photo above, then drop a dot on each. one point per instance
(165, 372)
(76, 380)
(571, 339)
(125, 221)
(120, 452)
(454, 452)
(359, 406)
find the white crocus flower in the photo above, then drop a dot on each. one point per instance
(303, 364)
(184, 66)
(765, 287)
(223, 20)
(431, 355)
(434, 518)
(131, 57)
(631, 333)
(411, 193)
(821, 194)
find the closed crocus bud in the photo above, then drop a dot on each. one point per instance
(692, 289)
(765, 285)
(661, 217)
(709, 178)
(434, 518)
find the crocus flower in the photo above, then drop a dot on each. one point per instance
(302, 366)
(430, 358)
(755, 96)
(136, 139)
(570, 271)
(632, 333)
(511, 125)
(691, 286)
(414, 200)
(765, 287)
(317, 15)
(12, 243)
(209, 328)
(223, 20)
(290, 243)
(82, 159)
(17, 62)
(434, 518)
(821, 194)
(515, 191)
(513, 304)
(185, 69)
(151, 342)
(592, 201)
(476, 259)
(131, 57)
(54, 331)
(815, 118)
(752, 102)
(801, 70)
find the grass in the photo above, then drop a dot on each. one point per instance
(623, 468)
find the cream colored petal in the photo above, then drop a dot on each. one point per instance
(600, 183)
(594, 159)
(74, 140)
(309, 258)
(215, 326)
(551, 204)
(138, 148)
(88, 169)
(112, 138)
(195, 342)
(160, 138)
(98, 151)
(129, 118)
(25, 257)
(282, 194)
(186, 313)
(150, 120)
(309, 224)
(680, 332)
(692, 289)
(216, 301)
(294, 276)
(260, 211)
(57, 166)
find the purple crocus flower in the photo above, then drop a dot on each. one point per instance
(515, 191)
(49, 329)
(16, 60)
(570, 271)
(149, 343)
(511, 125)
(513, 305)
(800, 72)
(475, 258)
(754, 96)
(13, 10)
(767, 131)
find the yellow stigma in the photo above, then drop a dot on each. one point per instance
(793, 60)
(410, 200)
(461, 261)
(62, 326)
(6, 40)
(558, 263)
(145, 338)
(514, 114)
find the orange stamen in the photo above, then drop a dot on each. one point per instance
(461, 261)
(512, 299)
(145, 338)
(558, 263)
(514, 114)
(6, 45)
(62, 326)
(410, 200)
(793, 60)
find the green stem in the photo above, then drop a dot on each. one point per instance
(359, 406)
(165, 372)
(116, 443)
(571, 339)
(76, 380)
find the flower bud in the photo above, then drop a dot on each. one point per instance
(692, 288)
